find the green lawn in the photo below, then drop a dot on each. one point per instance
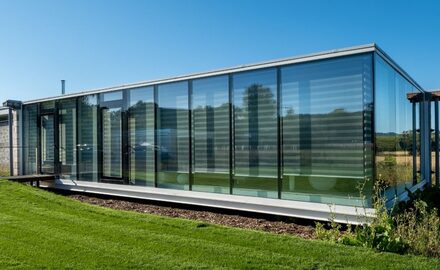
(39, 230)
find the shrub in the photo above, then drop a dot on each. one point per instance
(413, 228)
(430, 195)
(4, 170)
(420, 228)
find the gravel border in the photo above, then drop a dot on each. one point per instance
(268, 224)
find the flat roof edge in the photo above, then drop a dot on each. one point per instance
(248, 67)
(393, 63)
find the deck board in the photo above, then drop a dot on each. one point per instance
(30, 178)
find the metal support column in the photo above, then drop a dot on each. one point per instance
(436, 143)
(425, 138)
(414, 142)
(11, 143)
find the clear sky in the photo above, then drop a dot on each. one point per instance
(93, 44)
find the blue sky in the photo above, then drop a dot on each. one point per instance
(94, 44)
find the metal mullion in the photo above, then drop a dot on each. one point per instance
(436, 143)
(231, 134)
(190, 146)
(373, 115)
(279, 134)
(414, 142)
(38, 139)
(125, 153)
(56, 140)
(99, 139)
(77, 136)
(11, 142)
(155, 97)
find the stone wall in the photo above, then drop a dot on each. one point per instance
(4, 148)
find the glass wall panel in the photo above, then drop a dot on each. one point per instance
(47, 107)
(393, 128)
(67, 137)
(111, 142)
(141, 136)
(210, 114)
(255, 130)
(30, 139)
(173, 136)
(47, 135)
(88, 138)
(324, 106)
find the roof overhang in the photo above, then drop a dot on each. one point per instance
(286, 61)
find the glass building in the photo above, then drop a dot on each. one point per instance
(289, 136)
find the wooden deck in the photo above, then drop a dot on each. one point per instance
(31, 178)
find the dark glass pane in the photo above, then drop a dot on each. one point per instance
(173, 136)
(255, 123)
(47, 143)
(111, 143)
(67, 137)
(88, 138)
(111, 96)
(324, 138)
(141, 136)
(211, 134)
(47, 107)
(30, 139)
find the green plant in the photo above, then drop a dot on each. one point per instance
(420, 227)
(430, 195)
(381, 233)
(331, 234)
(4, 171)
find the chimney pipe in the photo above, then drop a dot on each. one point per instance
(63, 87)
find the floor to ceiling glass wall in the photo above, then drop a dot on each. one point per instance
(173, 136)
(141, 136)
(394, 132)
(111, 106)
(67, 138)
(210, 121)
(323, 129)
(87, 147)
(49, 158)
(30, 139)
(255, 133)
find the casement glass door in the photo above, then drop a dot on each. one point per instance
(47, 143)
(113, 139)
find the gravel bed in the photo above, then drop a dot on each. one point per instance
(233, 219)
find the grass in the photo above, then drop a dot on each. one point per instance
(40, 230)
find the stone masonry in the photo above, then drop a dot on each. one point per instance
(4, 147)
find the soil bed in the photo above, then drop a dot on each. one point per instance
(235, 220)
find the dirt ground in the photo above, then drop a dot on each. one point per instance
(266, 223)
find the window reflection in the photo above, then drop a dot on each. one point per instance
(173, 136)
(88, 138)
(30, 138)
(393, 123)
(323, 132)
(141, 136)
(255, 130)
(67, 137)
(211, 134)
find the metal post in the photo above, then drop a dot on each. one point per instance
(414, 142)
(11, 144)
(425, 138)
(436, 143)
